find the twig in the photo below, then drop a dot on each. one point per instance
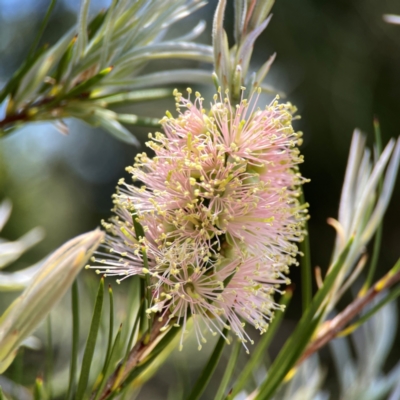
(23, 115)
(331, 328)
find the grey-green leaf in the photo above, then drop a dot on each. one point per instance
(90, 343)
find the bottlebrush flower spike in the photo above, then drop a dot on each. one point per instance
(219, 208)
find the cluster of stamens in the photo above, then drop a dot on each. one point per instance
(218, 204)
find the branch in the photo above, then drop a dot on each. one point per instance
(23, 115)
(330, 329)
(135, 357)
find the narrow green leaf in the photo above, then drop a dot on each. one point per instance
(259, 352)
(88, 84)
(237, 345)
(96, 23)
(330, 280)
(133, 307)
(139, 231)
(132, 97)
(378, 234)
(305, 264)
(97, 39)
(220, 45)
(209, 368)
(111, 329)
(90, 343)
(134, 328)
(132, 335)
(38, 393)
(64, 61)
(115, 128)
(245, 50)
(147, 289)
(143, 319)
(81, 43)
(106, 43)
(41, 29)
(378, 138)
(49, 357)
(240, 7)
(42, 67)
(261, 11)
(75, 339)
(263, 71)
(13, 83)
(109, 364)
(173, 76)
(133, 119)
(228, 279)
(2, 397)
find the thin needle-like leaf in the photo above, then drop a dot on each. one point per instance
(90, 343)
(131, 97)
(109, 363)
(133, 331)
(105, 48)
(42, 28)
(111, 329)
(378, 234)
(75, 339)
(132, 119)
(220, 44)
(114, 127)
(88, 84)
(209, 368)
(230, 368)
(162, 78)
(147, 290)
(263, 71)
(81, 43)
(240, 17)
(387, 189)
(38, 392)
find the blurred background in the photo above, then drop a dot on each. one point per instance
(337, 61)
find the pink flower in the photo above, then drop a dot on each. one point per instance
(249, 294)
(219, 199)
(192, 290)
(223, 175)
